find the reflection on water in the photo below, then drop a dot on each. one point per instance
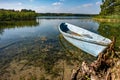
(63, 17)
(10, 30)
(15, 24)
(36, 50)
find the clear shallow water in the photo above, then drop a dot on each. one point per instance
(39, 44)
(46, 27)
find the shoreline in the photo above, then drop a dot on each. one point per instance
(106, 20)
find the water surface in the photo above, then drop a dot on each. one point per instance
(36, 49)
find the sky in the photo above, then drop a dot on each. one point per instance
(54, 6)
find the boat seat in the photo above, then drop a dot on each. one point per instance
(73, 33)
(76, 34)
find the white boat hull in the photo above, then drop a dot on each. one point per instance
(92, 43)
(86, 35)
(90, 48)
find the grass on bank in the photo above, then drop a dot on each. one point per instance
(108, 16)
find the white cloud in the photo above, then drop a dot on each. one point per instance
(54, 8)
(75, 9)
(87, 5)
(56, 3)
(19, 3)
(98, 3)
(84, 9)
(50, 9)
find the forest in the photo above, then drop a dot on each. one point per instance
(13, 15)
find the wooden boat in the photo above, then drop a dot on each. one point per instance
(86, 40)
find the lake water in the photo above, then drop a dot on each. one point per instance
(37, 50)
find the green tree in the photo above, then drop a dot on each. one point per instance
(12, 15)
(110, 7)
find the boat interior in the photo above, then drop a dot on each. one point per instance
(65, 29)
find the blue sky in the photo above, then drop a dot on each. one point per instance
(54, 6)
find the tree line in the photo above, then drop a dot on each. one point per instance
(110, 7)
(12, 15)
(64, 14)
(24, 14)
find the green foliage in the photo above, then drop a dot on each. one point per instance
(109, 16)
(110, 7)
(12, 15)
(109, 30)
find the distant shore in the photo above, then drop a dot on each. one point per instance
(65, 14)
